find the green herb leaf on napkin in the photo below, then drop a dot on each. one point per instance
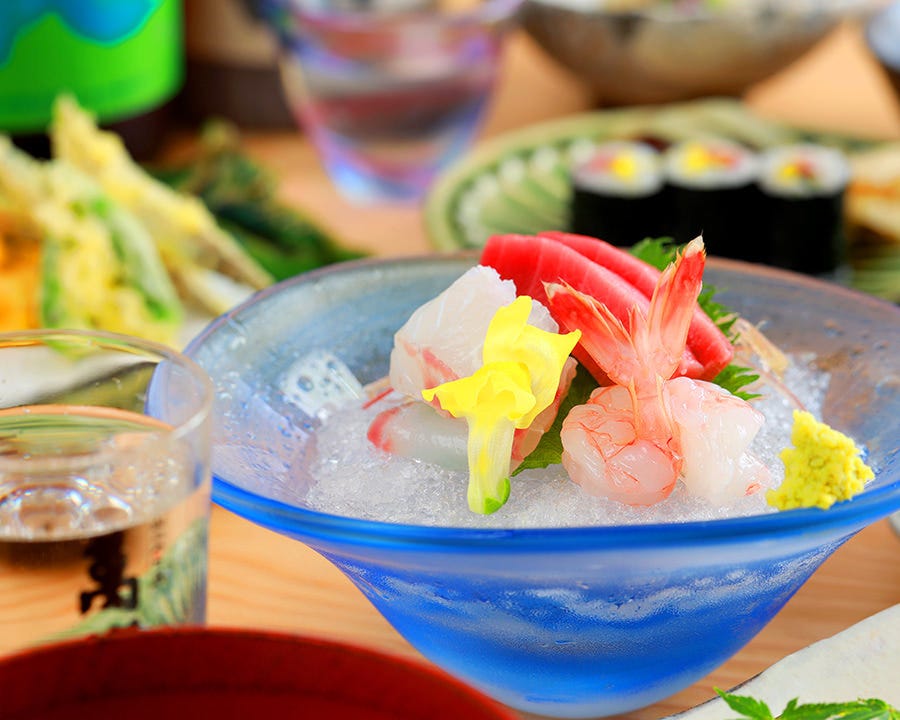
(862, 709)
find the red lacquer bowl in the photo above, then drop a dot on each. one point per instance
(171, 674)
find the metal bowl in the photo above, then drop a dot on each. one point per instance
(656, 55)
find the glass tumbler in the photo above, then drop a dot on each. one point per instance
(389, 94)
(104, 486)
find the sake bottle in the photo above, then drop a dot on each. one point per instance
(121, 59)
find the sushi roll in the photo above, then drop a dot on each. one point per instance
(804, 190)
(618, 194)
(715, 193)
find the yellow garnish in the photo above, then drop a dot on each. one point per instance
(493, 400)
(518, 380)
(823, 467)
(625, 166)
(796, 172)
(697, 159)
(788, 172)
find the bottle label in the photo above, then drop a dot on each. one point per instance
(119, 59)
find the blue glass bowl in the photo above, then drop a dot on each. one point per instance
(574, 622)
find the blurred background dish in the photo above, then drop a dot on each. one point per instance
(883, 38)
(208, 231)
(522, 182)
(652, 52)
(228, 674)
(231, 66)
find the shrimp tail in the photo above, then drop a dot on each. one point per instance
(604, 337)
(672, 308)
(647, 345)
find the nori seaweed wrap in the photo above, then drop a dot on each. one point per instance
(804, 190)
(714, 189)
(618, 194)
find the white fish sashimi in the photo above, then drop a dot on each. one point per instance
(443, 339)
(417, 430)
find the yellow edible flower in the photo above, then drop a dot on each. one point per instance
(822, 468)
(494, 401)
(519, 378)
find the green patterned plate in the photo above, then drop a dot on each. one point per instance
(519, 182)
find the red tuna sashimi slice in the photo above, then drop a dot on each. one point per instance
(705, 340)
(530, 261)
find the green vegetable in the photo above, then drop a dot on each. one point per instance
(137, 296)
(184, 231)
(100, 269)
(141, 265)
(871, 709)
(734, 377)
(281, 260)
(54, 311)
(243, 197)
(658, 252)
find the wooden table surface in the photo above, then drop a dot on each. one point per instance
(261, 580)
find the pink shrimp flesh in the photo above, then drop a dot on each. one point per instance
(715, 428)
(633, 440)
(604, 452)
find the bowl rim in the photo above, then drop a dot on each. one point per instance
(844, 517)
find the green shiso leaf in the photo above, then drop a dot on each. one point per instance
(862, 709)
(734, 377)
(658, 252)
(661, 252)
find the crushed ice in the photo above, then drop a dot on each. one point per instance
(352, 478)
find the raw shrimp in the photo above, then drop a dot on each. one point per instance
(443, 340)
(714, 430)
(633, 440)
